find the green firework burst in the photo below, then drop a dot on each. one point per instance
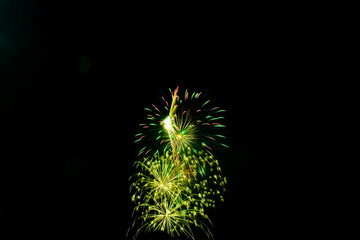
(178, 177)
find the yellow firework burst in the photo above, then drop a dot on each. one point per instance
(173, 216)
(160, 178)
(178, 176)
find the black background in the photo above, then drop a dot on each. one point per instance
(67, 127)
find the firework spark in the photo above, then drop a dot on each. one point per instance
(178, 175)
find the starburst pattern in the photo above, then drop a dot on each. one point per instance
(178, 175)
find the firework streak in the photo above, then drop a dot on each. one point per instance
(178, 177)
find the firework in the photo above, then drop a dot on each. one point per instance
(165, 198)
(178, 175)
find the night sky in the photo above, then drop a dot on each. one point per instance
(75, 78)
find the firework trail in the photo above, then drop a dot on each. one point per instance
(178, 176)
